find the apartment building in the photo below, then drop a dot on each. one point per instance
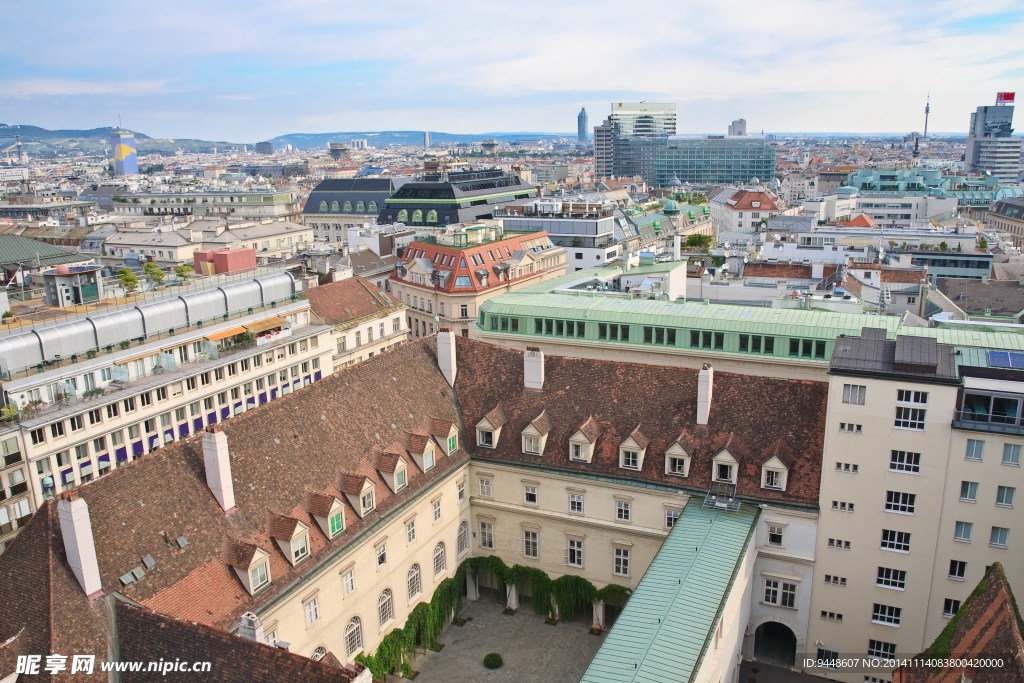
(336, 206)
(444, 280)
(921, 467)
(322, 519)
(246, 205)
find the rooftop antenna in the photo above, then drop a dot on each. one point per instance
(927, 110)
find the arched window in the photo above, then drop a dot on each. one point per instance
(360, 207)
(348, 207)
(463, 537)
(417, 217)
(318, 653)
(385, 607)
(439, 560)
(334, 207)
(414, 581)
(323, 206)
(372, 207)
(402, 216)
(431, 216)
(353, 637)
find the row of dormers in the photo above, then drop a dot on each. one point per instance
(251, 562)
(632, 450)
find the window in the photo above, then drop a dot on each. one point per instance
(485, 438)
(38, 436)
(485, 487)
(335, 523)
(850, 427)
(723, 472)
(974, 449)
(773, 479)
(300, 548)
(962, 532)
(842, 506)
(908, 396)
(622, 510)
(440, 561)
(530, 495)
(886, 614)
(576, 503)
(574, 554)
(895, 540)
(677, 466)
(436, 508)
(530, 544)
(826, 657)
(775, 532)
(968, 491)
(881, 650)
(367, 501)
(891, 578)
(1004, 496)
(835, 580)
(487, 535)
(348, 582)
(578, 451)
(382, 554)
(854, 393)
(312, 609)
(57, 428)
(780, 593)
(670, 518)
(531, 444)
(950, 607)
(630, 460)
(998, 536)
(410, 531)
(385, 607)
(957, 570)
(909, 418)
(1011, 454)
(453, 443)
(258, 576)
(413, 582)
(904, 461)
(620, 562)
(460, 489)
(401, 479)
(462, 538)
(898, 501)
(831, 616)
(838, 543)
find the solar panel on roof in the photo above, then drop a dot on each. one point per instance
(1016, 360)
(998, 359)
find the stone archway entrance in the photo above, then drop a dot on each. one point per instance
(775, 643)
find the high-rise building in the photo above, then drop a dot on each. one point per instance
(581, 127)
(738, 127)
(991, 147)
(715, 159)
(126, 159)
(426, 139)
(630, 138)
(265, 147)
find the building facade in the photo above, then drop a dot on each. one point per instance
(991, 147)
(715, 160)
(336, 206)
(457, 197)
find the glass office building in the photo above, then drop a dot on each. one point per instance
(715, 160)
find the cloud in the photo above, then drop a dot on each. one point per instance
(27, 88)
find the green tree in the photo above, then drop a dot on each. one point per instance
(128, 280)
(943, 246)
(699, 241)
(183, 272)
(154, 272)
(982, 243)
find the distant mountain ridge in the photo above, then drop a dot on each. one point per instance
(383, 138)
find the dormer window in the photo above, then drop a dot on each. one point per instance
(336, 523)
(400, 479)
(581, 443)
(259, 576)
(367, 501)
(725, 467)
(631, 451)
(453, 443)
(328, 512)
(300, 548)
(774, 474)
(531, 444)
(723, 472)
(485, 438)
(535, 435)
(630, 460)
(578, 451)
(488, 430)
(428, 458)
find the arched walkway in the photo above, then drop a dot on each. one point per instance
(775, 643)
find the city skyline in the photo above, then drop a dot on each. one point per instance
(252, 72)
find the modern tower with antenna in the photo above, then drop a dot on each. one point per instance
(927, 110)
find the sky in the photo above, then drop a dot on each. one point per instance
(249, 71)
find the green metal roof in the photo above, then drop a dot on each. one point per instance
(697, 315)
(669, 620)
(18, 249)
(1009, 341)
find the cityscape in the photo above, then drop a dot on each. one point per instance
(556, 377)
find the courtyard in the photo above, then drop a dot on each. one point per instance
(531, 649)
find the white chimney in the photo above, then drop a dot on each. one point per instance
(76, 529)
(705, 380)
(446, 354)
(251, 628)
(533, 368)
(218, 467)
(677, 248)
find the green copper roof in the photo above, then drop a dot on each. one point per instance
(18, 249)
(664, 630)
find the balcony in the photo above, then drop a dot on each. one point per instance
(997, 413)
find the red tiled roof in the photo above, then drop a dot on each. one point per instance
(441, 428)
(496, 417)
(320, 503)
(861, 221)
(788, 270)
(639, 437)
(542, 423)
(280, 527)
(744, 200)
(239, 553)
(903, 276)
(349, 299)
(352, 484)
(388, 462)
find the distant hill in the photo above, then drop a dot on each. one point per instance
(41, 142)
(403, 137)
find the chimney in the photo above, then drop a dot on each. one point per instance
(446, 354)
(218, 467)
(76, 529)
(705, 380)
(251, 628)
(677, 248)
(533, 368)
